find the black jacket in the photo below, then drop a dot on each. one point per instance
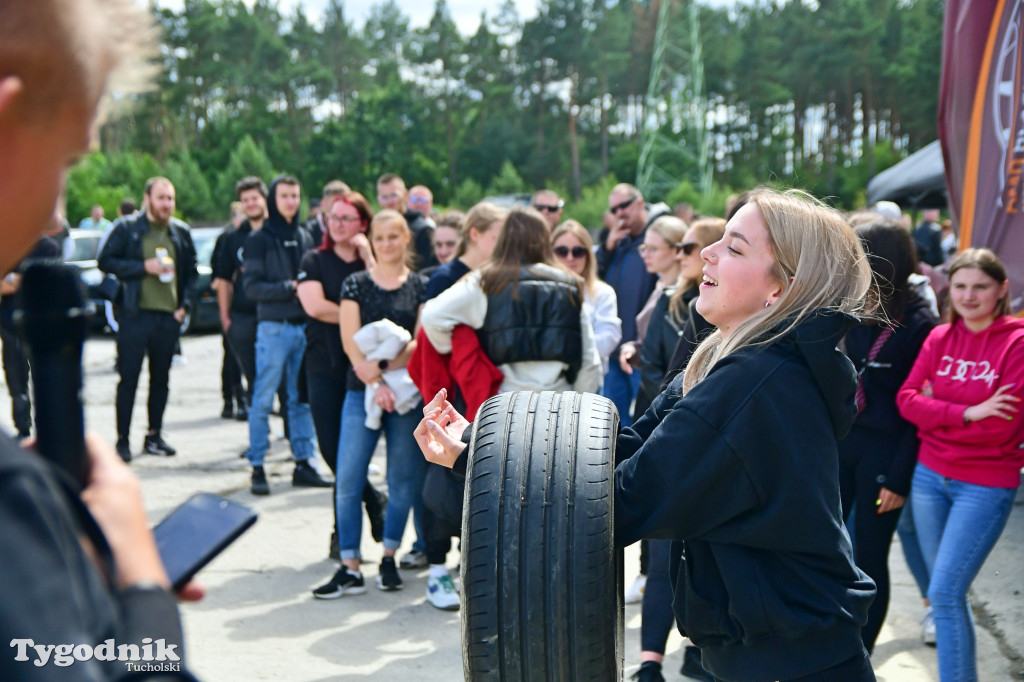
(538, 318)
(695, 330)
(663, 334)
(271, 265)
(882, 380)
(422, 239)
(742, 473)
(60, 595)
(122, 257)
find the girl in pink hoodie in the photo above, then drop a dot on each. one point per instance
(963, 394)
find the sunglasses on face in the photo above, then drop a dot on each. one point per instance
(546, 208)
(621, 206)
(689, 247)
(418, 200)
(565, 251)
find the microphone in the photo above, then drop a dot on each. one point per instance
(52, 316)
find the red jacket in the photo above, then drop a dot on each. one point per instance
(965, 368)
(466, 371)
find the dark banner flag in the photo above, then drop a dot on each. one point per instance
(981, 125)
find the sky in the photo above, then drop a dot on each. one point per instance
(466, 13)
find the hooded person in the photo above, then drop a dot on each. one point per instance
(270, 273)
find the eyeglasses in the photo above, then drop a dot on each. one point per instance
(345, 219)
(387, 197)
(621, 206)
(688, 248)
(576, 251)
(415, 200)
(548, 209)
(645, 248)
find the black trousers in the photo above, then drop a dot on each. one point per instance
(326, 390)
(231, 376)
(864, 460)
(149, 334)
(16, 375)
(241, 338)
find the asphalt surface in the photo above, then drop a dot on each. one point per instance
(260, 622)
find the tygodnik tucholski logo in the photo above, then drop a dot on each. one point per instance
(150, 656)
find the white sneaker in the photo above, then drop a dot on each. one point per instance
(928, 628)
(635, 592)
(412, 560)
(441, 593)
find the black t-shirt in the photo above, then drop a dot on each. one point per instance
(400, 305)
(45, 249)
(323, 342)
(227, 264)
(444, 276)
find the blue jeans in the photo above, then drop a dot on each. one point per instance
(279, 349)
(621, 389)
(406, 470)
(912, 548)
(957, 525)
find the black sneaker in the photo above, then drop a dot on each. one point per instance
(242, 413)
(259, 482)
(344, 582)
(376, 504)
(124, 450)
(650, 671)
(228, 412)
(306, 476)
(388, 578)
(156, 445)
(693, 667)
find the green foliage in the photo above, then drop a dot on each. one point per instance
(593, 203)
(508, 181)
(248, 158)
(468, 193)
(552, 101)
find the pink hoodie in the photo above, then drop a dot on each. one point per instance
(965, 368)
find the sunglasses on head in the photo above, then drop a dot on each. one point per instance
(689, 247)
(576, 251)
(545, 207)
(622, 205)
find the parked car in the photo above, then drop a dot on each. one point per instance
(205, 316)
(510, 201)
(80, 249)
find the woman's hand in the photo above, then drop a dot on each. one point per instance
(384, 397)
(999, 405)
(439, 434)
(888, 500)
(626, 353)
(368, 371)
(362, 246)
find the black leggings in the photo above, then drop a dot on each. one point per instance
(657, 618)
(864, 460)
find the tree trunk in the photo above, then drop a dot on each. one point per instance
(574, 151)
(604, 122)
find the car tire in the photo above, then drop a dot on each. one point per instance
(541, 580)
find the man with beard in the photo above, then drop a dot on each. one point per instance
(269, 272)
(151, 253)
(238, 311)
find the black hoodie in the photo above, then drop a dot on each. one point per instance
(271, 266)
(743, 473)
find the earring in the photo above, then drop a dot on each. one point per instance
(767, 304)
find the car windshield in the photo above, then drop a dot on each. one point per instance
(84, 248)
(204, 247)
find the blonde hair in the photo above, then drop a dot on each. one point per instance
(51, 45)
(708, 231)
(480, 218)
(582, 235)
(818, 261)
